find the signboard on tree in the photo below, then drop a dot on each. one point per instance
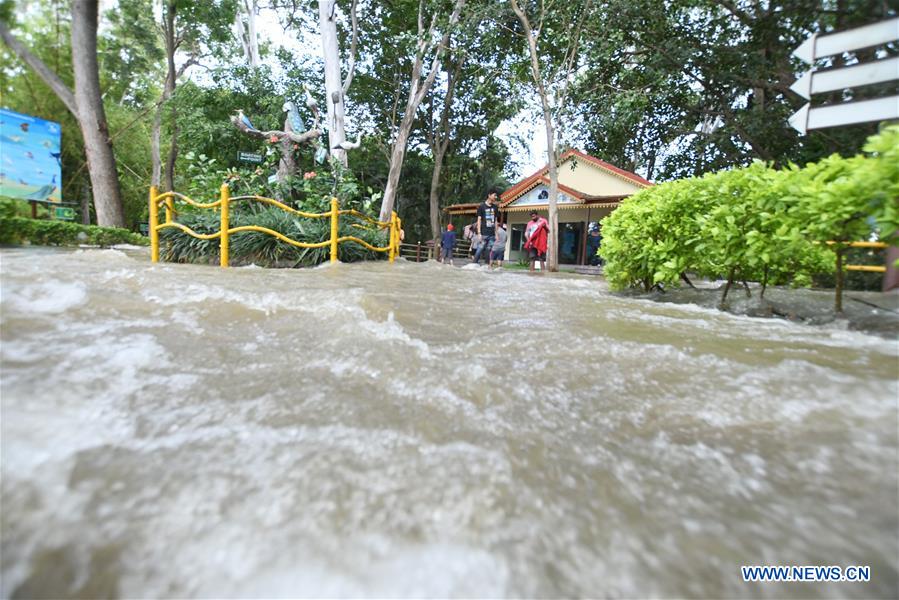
(30, 167)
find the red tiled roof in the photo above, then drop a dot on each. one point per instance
(540, 177)
(462, 208)
(604, 165)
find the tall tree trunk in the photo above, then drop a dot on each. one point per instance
(397, 155)
(433, 203)
(252, 38)
(92, 117)
(417, 91)
(86, 105)
(168, 28)
(173, 155)
(439, 142)
(552, 254)
(246, 34)
(334, 97)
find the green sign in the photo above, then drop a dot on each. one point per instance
(249, 157)
(144, 228)
(63, 213)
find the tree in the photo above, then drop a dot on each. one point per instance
(86, 104)
(185, 26)
(704, 84)
(246, 31)
(335, 89)
(438, 135)
(552, 78)
(430, 49)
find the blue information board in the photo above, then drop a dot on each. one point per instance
(30, 166)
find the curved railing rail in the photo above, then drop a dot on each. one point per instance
(225, 230)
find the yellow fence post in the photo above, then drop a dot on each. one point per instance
(390, 240)
(154, 222)
(334, 229)
(394, 235)
(225, 225)
(169, 208)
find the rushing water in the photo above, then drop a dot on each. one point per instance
(417, 430)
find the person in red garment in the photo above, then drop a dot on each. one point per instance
(535, 235)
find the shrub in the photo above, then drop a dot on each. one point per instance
(756, 223)
(20, 230)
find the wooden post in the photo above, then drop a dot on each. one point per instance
(891, 277)
(418, 253)
(225, 225)
(838, 300)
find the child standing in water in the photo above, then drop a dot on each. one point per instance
(446, 244)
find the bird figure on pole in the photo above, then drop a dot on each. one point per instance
(293, 116)
(348, 145)
(242, 118)
(311, 102)
(321, 153)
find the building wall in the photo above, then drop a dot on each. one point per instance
(593, 181)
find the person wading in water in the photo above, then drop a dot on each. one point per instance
(535, 235)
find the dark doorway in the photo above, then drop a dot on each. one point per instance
(570, 242)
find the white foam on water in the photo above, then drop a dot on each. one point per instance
(591, 463)
(45, 297)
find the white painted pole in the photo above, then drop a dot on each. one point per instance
(333, 85)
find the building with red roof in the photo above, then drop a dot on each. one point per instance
(589, 189)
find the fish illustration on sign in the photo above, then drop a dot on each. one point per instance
(44, 192)
(31, 157)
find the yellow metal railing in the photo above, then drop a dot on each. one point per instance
(225, 230)
(868, 268)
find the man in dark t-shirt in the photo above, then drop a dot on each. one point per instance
(486, 225)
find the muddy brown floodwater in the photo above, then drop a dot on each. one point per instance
(411, 430)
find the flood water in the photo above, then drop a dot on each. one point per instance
(415, 430)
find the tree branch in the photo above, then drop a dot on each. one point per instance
(296, 138)
(43, 71)
(351, 63)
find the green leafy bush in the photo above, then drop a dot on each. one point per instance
(20, 230)
(756, 223)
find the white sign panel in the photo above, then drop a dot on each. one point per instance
(816, 82)
(831, 80)
(875, 34)
(880, 109)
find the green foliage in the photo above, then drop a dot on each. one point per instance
(20, 230)
(311, 192)
(701, 85)
(126, 86)
(16, 207)
(264, 249)
(754, 223)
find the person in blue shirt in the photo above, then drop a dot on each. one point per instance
(446, 244)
